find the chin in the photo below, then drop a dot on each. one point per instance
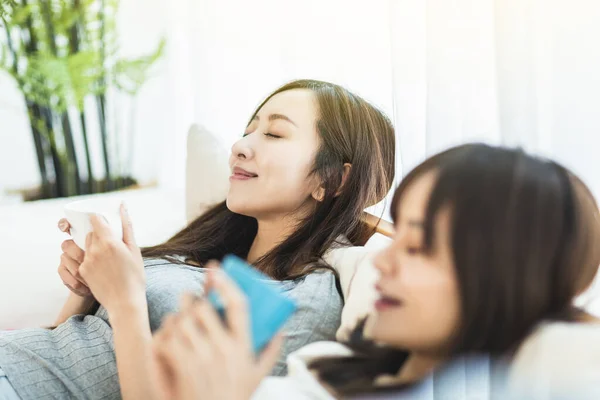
(234, 205)
(239, 206)
(380, 331)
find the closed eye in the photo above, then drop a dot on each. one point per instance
(413, 250)
(272, 136)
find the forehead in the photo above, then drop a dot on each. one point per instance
(299, 105)
(414, 200)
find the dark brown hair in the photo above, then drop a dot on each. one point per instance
(524, 239)
(350, 131)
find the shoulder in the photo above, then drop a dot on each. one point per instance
(317, 288)
(559, 357)
(158, 266)
(163, 277)
(561, 341)
(167, 279)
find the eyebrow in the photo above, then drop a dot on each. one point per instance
(274, 117)
(416, 224)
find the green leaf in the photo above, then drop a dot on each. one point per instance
(131, 74)
(84, 70)
(20, 15)
(5, 8)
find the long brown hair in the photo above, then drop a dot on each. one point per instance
(524, 239)
(350, 131)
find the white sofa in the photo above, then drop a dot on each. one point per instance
(31, 293)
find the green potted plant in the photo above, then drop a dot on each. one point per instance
(62, 53)
(4, 7)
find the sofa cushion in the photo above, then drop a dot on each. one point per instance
(207, 172)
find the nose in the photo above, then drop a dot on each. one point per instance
(242, 149)
(384, 261)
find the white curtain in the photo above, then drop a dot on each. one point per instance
(516, 72)
(228, 55)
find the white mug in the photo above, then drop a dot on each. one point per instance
(78, 214)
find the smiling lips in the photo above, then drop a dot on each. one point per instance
(386, 302)
(240, 174)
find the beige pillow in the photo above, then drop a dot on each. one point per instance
(358, 277)
(207, 172)
(207, 182)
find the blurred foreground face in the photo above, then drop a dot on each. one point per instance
(419, 306)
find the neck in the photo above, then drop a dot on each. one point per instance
(270, 233)
(417, 367)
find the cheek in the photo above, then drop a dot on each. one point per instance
(288, 171)
(283, 184)
(438, 310)
(431, 312)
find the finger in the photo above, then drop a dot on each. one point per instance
(72, 250)
(72, 266)
(186, 302)
(208, 282)
(160, 336)
(168, 323)
(64, 225)
(190, 332)
(205, 317)
(163, 373)
(99, 226)
(213, 264)
(236, 314)
(181, 358)
(73, 284)
(168, 351)
(83, 292)
(128, 236)
(270, 355)
(88, 241)
(168, 326)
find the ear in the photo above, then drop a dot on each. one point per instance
(347, 169)
(319, 193)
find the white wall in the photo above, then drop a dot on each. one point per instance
(141, 24)
(517, 72)
(239, 55)
(521, 72)
(232, 54)
(18, 165)
(575, 94)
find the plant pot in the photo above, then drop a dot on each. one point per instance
(99, 186)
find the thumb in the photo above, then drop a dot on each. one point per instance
(269, 355)
(128, 236)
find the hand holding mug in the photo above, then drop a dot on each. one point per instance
(70, 261)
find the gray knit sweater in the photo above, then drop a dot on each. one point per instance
(77, 359)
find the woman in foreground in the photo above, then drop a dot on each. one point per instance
(313, 156)
(490, 250)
